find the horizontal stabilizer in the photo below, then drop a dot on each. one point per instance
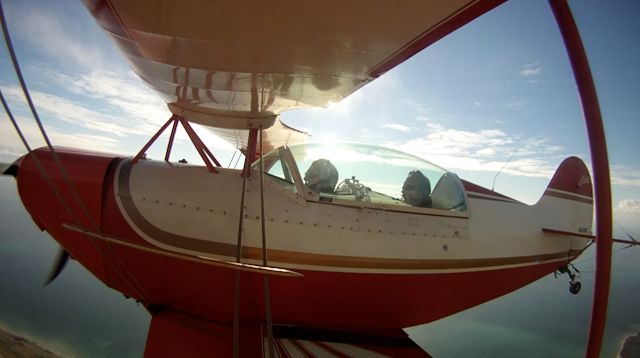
(586, 236)
(568, 233)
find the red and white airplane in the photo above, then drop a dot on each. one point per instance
(257, 261)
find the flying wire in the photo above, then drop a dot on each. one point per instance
(617, 250)
(61, 168)
(16, 66)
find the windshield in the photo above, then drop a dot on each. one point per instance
(371, 174)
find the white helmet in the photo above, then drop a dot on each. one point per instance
(321, 177)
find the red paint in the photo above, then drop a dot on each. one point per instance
(174, 334)
(202, 149)
(170, 143)
(87, 176)
(144, 149)
(328, 299)
(474, 188)
(187, 298)
(572, 176)
(602, 182)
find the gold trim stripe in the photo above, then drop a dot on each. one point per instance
(568, 196)
(267, 270)
(311, 259)
(302, 258)
(357, 262)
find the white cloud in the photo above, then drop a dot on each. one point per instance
(70, 112)
(11, 145)
(628, 206)
(484, 150)
(625, 176)
(139, 104)
(397, 127)
(49, 32)
(123, 107)
(527, 72)
(530, 69)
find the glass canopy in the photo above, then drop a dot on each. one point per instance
(366, 174)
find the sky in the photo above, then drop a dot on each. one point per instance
(495, 96)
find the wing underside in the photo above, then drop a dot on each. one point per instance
(233, 64)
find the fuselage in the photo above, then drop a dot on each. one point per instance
(157, 230)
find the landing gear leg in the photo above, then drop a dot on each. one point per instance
(574, 276)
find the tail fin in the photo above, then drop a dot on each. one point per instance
(567, 204)
(572, 179)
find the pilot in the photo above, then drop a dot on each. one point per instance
(321, 177)
(416, 190)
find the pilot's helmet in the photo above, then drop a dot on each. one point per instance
(416, 189)
(322, 176)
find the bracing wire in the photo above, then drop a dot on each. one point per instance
(61, 168)
(232, 157)
(43, 173)
(37, 161)
(615, 251)
(626, 232)
(237, 160)
(16, 66)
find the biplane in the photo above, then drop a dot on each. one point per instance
(259, 260)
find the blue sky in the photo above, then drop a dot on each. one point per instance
(500, 87)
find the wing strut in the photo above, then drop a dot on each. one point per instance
(246, 171)
(205, 153)
(267, 295)
(255, 135)
(602, 182)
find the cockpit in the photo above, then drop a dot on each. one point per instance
(364, 176)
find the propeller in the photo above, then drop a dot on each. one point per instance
(9, 169)
(62, 257)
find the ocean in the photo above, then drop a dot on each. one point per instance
(78, 316)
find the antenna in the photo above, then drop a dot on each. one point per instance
(499, 171)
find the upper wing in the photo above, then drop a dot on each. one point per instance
(236, 64)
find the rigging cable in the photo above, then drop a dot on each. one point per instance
(16, 67)
(232, 157)
(43, 173)
(37, 162)
(18, 72)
